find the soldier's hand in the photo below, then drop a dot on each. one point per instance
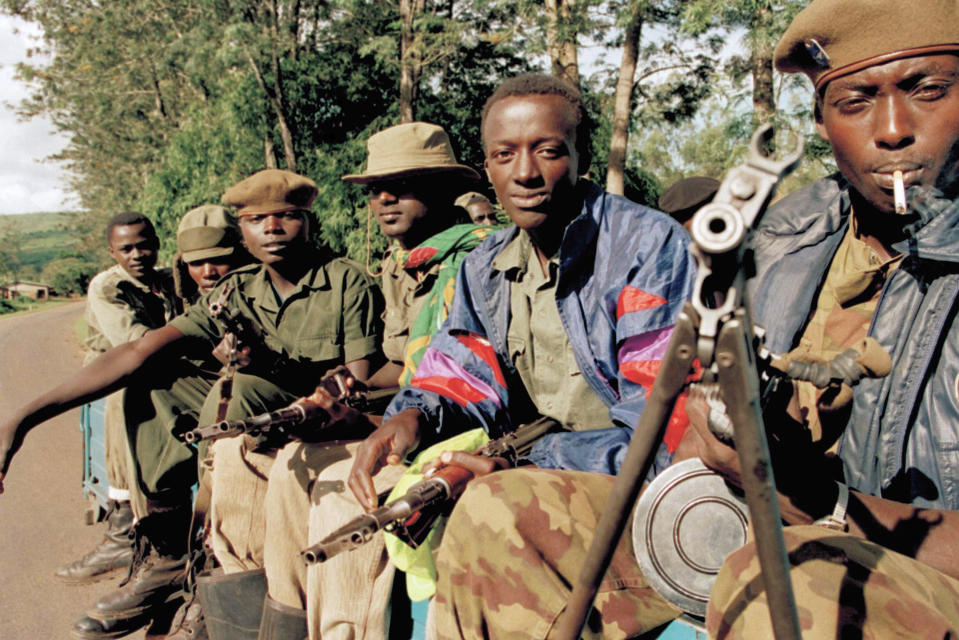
(389, 444)
(475, 464)
(335, 414)
(699, 442)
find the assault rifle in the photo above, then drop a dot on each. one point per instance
(282, 421)
(411, 517)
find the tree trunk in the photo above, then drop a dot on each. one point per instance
(623, 105)
(761, 67)
(410, 63)
(278, 109)
(269, 157)
(561, 40)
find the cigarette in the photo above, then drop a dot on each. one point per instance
(899, 191)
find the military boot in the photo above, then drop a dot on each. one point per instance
(189, 623)
(114, 553)
(158, 572)
(282, 622)
(87, 628)
(232, 603)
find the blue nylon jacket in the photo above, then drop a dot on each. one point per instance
(624, 273)
(902, 440)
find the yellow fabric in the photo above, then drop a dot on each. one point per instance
(418, 563)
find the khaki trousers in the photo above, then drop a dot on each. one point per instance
(307, 498)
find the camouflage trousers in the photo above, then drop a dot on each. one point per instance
(514, 544)
(845, 587)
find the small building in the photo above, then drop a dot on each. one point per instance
(34, 290)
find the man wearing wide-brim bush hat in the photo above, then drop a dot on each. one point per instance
(411, 179)
(871, 251)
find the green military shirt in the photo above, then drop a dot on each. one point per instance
(331, 318)
(405, 293)
(121, 308)
(538, 345)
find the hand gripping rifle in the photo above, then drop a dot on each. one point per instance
(411, 517)
(715, 326)
(283, 421)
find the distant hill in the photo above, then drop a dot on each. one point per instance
(45, 236)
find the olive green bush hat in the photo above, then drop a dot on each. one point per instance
(206, 232)
(409, 149)
(833, 38)
(270, 191)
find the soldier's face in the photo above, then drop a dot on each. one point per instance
(481, 213)
(398, 209)
(206, 273)
(134, 247)
(903, 115)
(272, 238)
(531, 158)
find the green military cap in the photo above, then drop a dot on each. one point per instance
(409, 149)
(833, 38)
(270, 191)
(206, 232)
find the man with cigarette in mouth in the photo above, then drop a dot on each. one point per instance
(873, 539)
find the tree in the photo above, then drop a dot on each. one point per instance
(69, 275)
(11, 248)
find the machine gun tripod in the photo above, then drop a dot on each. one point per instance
(715, 327)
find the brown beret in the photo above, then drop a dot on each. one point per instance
(206, 232)
(409, 149)
(833, 38)
(686, 196)
(270, 191)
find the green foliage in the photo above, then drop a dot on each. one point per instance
(168, 102)
(69, 275)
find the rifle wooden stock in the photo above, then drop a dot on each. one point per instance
(411, 517)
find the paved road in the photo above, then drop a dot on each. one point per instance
(41, 512)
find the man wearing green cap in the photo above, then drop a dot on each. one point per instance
(411, 180)
(314, 313)
(874, 250)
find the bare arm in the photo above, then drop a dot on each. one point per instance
(109, 372)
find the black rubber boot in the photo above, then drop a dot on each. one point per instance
(87, 628)
(282, 622)
(113, 554)
(158, 572)
(232, 603)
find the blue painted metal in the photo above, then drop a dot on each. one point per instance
(95, 484)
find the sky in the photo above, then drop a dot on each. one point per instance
(28, 182)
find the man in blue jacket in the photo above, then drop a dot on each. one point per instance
(564, 314)
(836, 262)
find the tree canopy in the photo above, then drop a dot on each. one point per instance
(168, 102)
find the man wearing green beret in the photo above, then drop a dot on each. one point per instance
(411, 180)
(314, 313)
(869, 493)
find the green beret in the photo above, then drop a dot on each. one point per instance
(206, 232)
(409, 149)
(833, 38)
(270, 191)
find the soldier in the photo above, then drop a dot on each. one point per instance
(123, 303)
(478, 206)
(872, 546)
(411, 179)
(314, 313)
(563, 314)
